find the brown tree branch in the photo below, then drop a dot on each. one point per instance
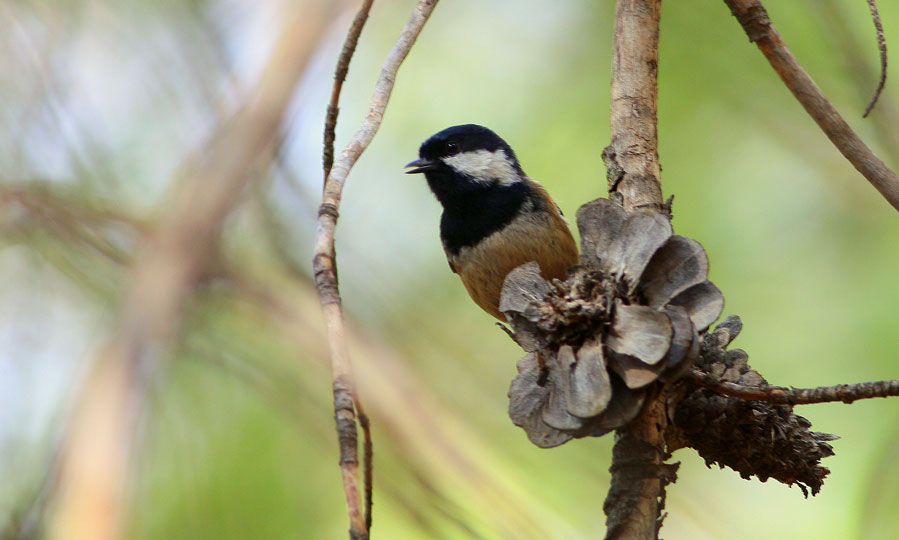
(635, 500)
(171, 261)
(324, 264)
(340, 72)
(752, 16)
(846, 393)
(636, 495)
(632, 159)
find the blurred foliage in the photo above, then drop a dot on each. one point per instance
(108, 98)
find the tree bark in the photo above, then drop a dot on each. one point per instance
(635, 500)
(632, 159)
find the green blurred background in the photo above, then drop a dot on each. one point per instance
(103, 100)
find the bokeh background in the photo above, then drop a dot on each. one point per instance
(102, 101)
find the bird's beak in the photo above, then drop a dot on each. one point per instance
(420, 166)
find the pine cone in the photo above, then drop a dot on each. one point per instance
(631, 314)
(752, 437)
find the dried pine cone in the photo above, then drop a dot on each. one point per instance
(630, 315)
(752, 437)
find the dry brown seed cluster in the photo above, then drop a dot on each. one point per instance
(629, 315)
(754, 438)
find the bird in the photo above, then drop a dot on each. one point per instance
(495, 218)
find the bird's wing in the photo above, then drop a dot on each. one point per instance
(555, 212)
(541, 192)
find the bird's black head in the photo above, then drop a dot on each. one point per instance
(465, 160)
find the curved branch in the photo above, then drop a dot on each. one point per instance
(340, 71)
(346, 402)
(324, 265)
(846, 393)
(754, 18)
(882, 48)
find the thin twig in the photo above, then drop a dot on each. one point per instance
(846, 393)
(368, 459)
(833, 14)
(324, 265)
(635, 499)
(882, 47)
(754, 18)
(340, 72)
(171, 262)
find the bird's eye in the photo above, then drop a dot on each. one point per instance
(452, 148)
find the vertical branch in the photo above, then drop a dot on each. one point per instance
(171, 263)
(753, 17)
(324, 264)
(632, 159)
(635, 500)
(347, 434)
(636, 495)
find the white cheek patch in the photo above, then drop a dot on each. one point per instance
(484, 166)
